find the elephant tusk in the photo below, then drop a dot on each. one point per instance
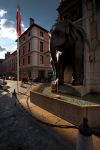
(58, 53)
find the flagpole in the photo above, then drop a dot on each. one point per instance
(18, 29)
(18, 64)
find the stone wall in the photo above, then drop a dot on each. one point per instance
(92, 55)
(67, 111)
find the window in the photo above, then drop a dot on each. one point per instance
(41, 46)
(29, 74)
(41, 74)
(23, 50)
(19, 52)
(41, 59)
(24, 38)
(29, 34)
(23, 61)
(41, 34)
(28, 59)
(29, 46)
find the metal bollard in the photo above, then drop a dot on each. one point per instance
(14, 97)
(14, 93)
(84, 141)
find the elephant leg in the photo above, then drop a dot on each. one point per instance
(78, 68)
(54, 63)
(53, 69)
(77, 73)
(61, 70)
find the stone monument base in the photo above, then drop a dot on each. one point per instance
(79, 90)
(71, 112)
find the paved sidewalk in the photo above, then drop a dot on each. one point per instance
(65, 137)
(19, 131)
(68, 135)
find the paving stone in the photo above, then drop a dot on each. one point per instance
(19, 131)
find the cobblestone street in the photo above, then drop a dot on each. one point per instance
(18, 131)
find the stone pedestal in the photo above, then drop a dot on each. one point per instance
(53, 86)
(68, 75)
(69, 89)
(71, 112)
(73, 90)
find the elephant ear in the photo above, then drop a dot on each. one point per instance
(67, 30)
(71, 31)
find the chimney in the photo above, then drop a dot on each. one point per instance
(7, 55)
(31, 21)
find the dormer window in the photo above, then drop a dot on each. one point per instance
(24, 38)
(41, 34)
(29, 33)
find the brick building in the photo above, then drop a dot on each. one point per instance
(9, 65)
(34, 62)
(1, 67)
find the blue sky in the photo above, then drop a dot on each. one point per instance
(43, 11)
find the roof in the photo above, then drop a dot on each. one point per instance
(36, 25)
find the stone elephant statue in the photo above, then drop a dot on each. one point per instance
(67, 50)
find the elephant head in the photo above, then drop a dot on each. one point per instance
(63, 32)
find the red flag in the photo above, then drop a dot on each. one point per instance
(18, 21)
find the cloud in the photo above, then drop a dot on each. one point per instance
(2, 49)
(23, 27)
(8, 33)
(7, 29)
(13, 48)
(9, 24)
(2, 12)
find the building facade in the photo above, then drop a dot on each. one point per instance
(34, 60)
(87, 14)
(9, 65)
(1, 67)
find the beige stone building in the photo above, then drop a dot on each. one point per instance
(87, 14)
(34, 61)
